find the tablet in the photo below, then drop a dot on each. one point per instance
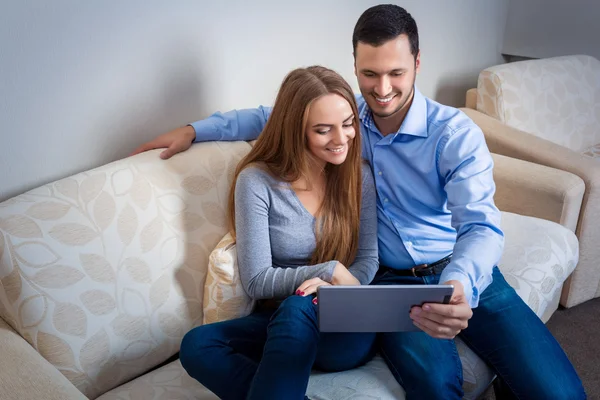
(376, 308)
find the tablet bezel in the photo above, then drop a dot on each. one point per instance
(354, 308)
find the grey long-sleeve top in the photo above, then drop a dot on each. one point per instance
(275, 236)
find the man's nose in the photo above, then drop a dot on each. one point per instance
(383, 87)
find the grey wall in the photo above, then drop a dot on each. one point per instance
(549, 28)
(83, 83)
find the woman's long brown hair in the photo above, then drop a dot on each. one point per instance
(282, 148)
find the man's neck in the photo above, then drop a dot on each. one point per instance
(392, 124)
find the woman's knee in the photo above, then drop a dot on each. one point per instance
(298, 307)
(195, 343)
(295, 321)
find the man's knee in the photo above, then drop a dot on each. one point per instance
(350, 350)
(435, 385)
(426, 368)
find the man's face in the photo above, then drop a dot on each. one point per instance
(386, 75)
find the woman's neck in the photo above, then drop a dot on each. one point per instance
(312, 179)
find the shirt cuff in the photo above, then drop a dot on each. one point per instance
(208, 131)
(466, 282)
(327, 274)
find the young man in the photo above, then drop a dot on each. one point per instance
(437, 223)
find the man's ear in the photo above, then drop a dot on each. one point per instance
(418, 62)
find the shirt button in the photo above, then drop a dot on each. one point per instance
(408, 244)
(379, 173)
(385, 200)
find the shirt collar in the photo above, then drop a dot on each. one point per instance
(415, 122)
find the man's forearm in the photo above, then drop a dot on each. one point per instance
(245, 124)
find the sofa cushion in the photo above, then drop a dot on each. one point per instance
(224, 296)
(538, 257)
(371, 381)
(103, 272)
(556, 98)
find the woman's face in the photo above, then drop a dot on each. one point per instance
(329, 129)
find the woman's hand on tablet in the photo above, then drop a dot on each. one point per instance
(310, 286)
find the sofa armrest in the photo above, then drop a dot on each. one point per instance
(511, 142)
(538, 191)
(25, 374)
(471, 100)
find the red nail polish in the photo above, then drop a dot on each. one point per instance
(315, 301)
(298, 292)
(301, 293)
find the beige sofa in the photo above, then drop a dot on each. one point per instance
(102, 274)
(548, 112)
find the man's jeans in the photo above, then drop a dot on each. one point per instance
(269, 354)
(503, 331)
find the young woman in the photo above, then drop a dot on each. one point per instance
(303, 211)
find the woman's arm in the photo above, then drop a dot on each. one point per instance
(260, 278)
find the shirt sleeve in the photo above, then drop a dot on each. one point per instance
(259, 277)
(245, 124)
(466, 167)
(366, 263)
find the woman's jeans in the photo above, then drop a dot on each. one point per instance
(270, 353)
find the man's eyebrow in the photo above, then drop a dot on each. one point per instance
(368, 71)
(330, 125)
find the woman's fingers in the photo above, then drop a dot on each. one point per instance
(313, 288)
(310, 287)
(302, 289)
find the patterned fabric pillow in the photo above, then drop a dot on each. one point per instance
(593, 151)
(224, 296)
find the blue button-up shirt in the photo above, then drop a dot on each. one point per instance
(434, 185)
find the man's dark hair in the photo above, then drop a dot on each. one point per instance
(384, 22)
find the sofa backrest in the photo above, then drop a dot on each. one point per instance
(557, 98)
(103, 272)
